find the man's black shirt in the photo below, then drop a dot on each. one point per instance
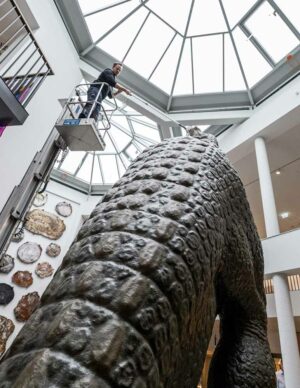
(109, 77)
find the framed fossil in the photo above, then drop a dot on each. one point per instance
(40, 199)
(43, 270)
(64, 209)
(7, 263)
(6, 329)
(22, 278)
(6, 293)
(29, 252)
(45, 224)
(53, 250)
(26, 306)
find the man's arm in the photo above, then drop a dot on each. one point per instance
(121, 89)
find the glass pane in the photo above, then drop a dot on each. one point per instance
(86, 169)
(271, 31)
(291, 10)
(96, 173)
(145, 131)
(102, 22)
(236, 9)
(119, 137)
(207, 17)
(147, 49)
(131, 152)
(174, 12)
(109, 167)
(72, 161)
(254, 65)
(163, 76)
(233, 75)
(184, 77)
(118, 41)
(207, 53)
(92, 5)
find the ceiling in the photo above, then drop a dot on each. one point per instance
(189, 54)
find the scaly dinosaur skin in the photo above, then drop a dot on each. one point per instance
(134, 302)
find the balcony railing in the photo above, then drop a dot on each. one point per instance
(293, 281)
(23, 66)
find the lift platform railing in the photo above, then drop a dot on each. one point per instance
(84, 120)
(23, 66)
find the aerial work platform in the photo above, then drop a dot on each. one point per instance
(84, 121)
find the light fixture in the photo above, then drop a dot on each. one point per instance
(284, 215)
(277, 172)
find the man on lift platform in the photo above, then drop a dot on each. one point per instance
(108, 76)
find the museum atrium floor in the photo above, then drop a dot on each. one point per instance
(229, 67)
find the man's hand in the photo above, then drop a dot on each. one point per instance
(128, 92)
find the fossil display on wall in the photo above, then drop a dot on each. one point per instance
(22, 278)
(29, 252)
(6, 293)
(45, 224)
(7, 263)
(53, 250)
(6, 329)
(64, 209)
(40, 199)
(26, 306)
(43, 270)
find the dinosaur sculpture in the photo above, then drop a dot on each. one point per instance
(134, 302)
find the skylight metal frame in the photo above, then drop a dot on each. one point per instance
(71, 13)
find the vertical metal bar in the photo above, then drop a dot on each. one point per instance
(236, 53)
(25, 77)
(100, 168)
(18, 57)
(192, 63)
(257, 45)
(180, 54)
(284, 18)
(11, 81)
(7, 13)
(163, 54)
(11, 24)
(95, 101)
(80, 164)
(20, 41)
(36, 87)
(136, 36)
(118, 168)
(92, 172)
(88, 49)
(223, 61)
(12, 38)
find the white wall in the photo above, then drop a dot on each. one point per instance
(277, 114)
(19, 144)
(82, 205)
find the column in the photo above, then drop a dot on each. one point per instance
(285, 317)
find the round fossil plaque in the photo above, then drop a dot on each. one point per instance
(40, 199)
(29, 252)
(22, 278)
(43, 270)
(64, 209)
(7, 263)
(53, 250)
(6, 293)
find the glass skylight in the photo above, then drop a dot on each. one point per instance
(129, 135)
(184, 46)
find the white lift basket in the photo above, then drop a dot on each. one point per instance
(84, 134)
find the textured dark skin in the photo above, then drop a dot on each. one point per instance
(134, 302)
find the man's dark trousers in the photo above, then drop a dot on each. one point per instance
(92, 94)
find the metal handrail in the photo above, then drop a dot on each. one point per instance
(17, 56)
